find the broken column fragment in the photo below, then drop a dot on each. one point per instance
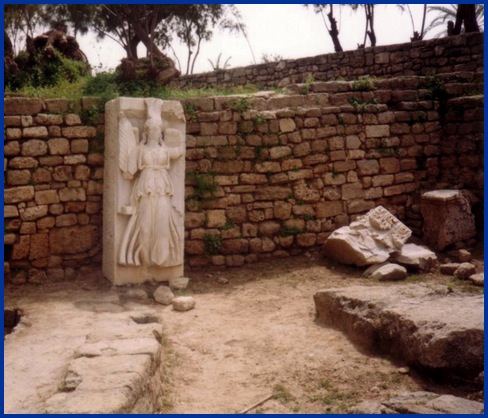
(447, 218)
(368, 240)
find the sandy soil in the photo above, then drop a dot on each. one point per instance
(256, 336)
(251, 336)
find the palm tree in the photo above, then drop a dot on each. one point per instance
(444, 14)
(369, 30)
(416, 35)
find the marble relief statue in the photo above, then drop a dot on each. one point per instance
(154, 235)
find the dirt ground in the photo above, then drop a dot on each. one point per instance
(252, 336)
(256, 336)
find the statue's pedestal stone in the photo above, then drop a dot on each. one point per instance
(118, 197)
(447, 218)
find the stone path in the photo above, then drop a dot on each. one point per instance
(81, 352)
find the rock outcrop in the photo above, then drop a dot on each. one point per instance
(428, 327)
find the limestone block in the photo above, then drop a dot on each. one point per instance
(368, 240)
(287, 125)
(79, 132)
(10, 211)
(183, 303)
(72, 119)
(33, 213)
(35, 132)
(19, 194)
(138, 244)
(58, 146)
(73, 239)
(412, 255)
(22, 106)
(34, 148)
(447, 218)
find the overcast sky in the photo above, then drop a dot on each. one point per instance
(288, 30)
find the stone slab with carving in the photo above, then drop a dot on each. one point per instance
(144, 184)
(368, 240)
(447, 218)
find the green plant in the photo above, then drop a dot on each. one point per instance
(258, 120)
(436, 91)
(286, 231)
(190, 111)
(240, 105)
(267, 58)
(204, 186)
(308, 217)
(212, 243)
(216, 65)
(420, 117)
(360, 105)
(363, 83)
(229, 224)
(421, 161)
(341, 120)
(309, 80)
(282, 394)
(259, 152)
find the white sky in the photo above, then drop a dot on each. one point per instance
(288, 30)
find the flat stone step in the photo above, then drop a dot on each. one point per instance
(427, 326)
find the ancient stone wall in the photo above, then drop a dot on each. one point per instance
(53, 170)
(437, 56)
(268, 175)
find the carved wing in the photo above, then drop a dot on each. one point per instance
(127, 146)
(175, 142)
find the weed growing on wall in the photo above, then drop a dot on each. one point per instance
(212, 243)
(364, 83)
(204, 187)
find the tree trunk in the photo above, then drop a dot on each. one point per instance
(8, 48)
(334, 32)
(465, 13)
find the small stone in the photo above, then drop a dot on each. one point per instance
(464, 256)
(136, 295)
(183, 303)
(465, 270)
(222, 280)
(163, 295)
(389, 272)
(448, 268)
(478, 279)
(404, 370)
(179, 283)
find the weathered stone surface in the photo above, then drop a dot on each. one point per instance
(368, 240)
(72, 240)
(411, 322)
(478, 279)
(386, 272)
(179, 283)
(34, 148)
(163, 295)
(22, 106)
(464, 271)
(447, 218)
(416, 256)
(183, 303)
